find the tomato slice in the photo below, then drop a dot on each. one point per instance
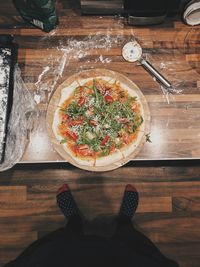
(112, 148)
(89, 91)
(126, 139)
(75, 122)
(105, 140)
(82, 147)
(83, 150)
(123, 120)
(81, 101)
(81, 89)
(71, 135)
(65, 117)
(90, 111)
(63, 127)
(93, 123)
(134, 107)
(108, 98)
(122, 99)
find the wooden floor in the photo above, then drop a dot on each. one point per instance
(169, 210)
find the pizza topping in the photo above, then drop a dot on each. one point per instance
(83, 150)
(99, 118)
(108, 98)
(105, 140)
(106, 126)
(123, 120)
(134, 106)
(71, 135)
(81, 101)
(81, 147)
(89, 112)
(101, 87)
(64, 140)
(93, 123)
(65, 117)
(126, 138)
(90, 135)
(75, 122)
(112, 148)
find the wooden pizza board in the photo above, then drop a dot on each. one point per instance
(92, 73)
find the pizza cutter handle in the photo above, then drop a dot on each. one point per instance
(159, 77)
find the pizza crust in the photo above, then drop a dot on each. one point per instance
(55, 125)
(77, 160)
(117, 158)
(128, 149)
(67, 92)
(110, 159)
(102, 161)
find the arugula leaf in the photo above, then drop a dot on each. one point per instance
(148, 138)
(96, 93)
(109, 111)
(105, 152)
(107, 115)
(64, 140)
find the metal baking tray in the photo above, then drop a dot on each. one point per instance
(8, 58)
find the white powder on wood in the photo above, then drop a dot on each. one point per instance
(89, 50)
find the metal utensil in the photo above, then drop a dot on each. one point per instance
(132, 52)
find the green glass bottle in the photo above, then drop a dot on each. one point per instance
(40, 13)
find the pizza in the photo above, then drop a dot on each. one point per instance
(98, 121)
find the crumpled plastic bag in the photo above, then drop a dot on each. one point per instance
(21, 122)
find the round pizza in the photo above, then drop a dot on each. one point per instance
(98, 121)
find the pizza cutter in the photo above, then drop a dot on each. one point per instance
(132, 52)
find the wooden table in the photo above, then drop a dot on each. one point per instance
(169, 208)
(172, 47)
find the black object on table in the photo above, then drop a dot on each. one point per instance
(8, 59)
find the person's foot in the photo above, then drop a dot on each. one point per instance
(129, 202)
(66, 202)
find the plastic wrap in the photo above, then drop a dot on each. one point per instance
(20, 123)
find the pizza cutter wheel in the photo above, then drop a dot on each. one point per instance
(132, 52)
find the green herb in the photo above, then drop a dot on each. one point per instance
(132, 98)
(64, 140)
(76, 90)
(109, 111)
(105, 152)
(119, 145)
(96, 93)
(107, 115)
(148, 138)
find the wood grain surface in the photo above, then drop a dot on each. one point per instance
(173, 48)
(169, 210)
